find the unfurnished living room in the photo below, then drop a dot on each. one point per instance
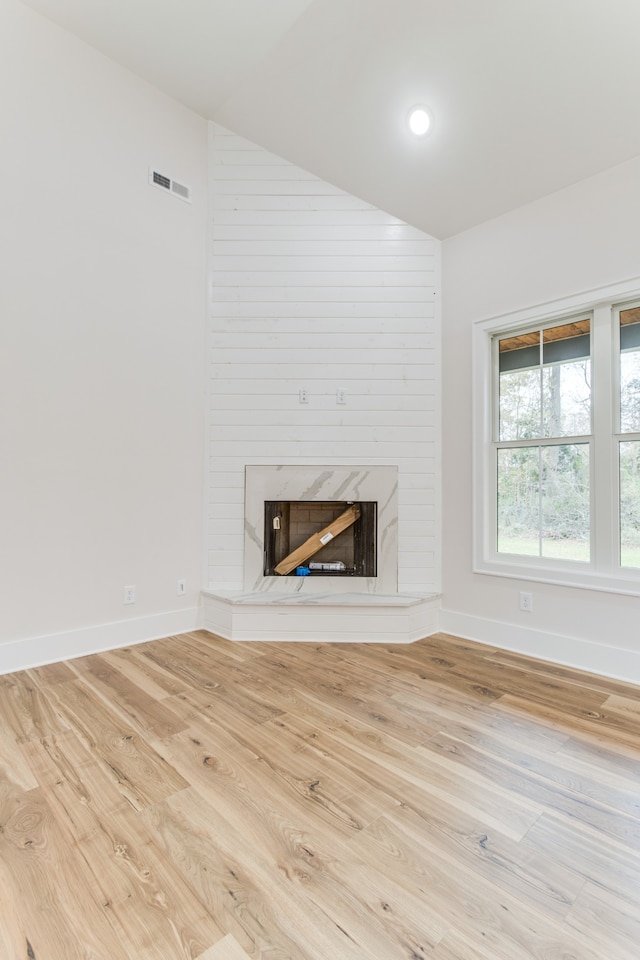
(320, 476)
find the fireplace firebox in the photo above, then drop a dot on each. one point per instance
(288, 524)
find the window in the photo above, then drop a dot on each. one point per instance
(557, 443)
(543, 403)
(629, 440)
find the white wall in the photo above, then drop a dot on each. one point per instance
(102, 320)
(576, 240)
(312, 288)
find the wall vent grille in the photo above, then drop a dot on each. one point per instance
(161, 180)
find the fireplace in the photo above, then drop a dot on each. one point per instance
(290, 504)
(289, 525)
(358, 604)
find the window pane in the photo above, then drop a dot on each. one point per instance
(519, 501)
(630, 504)
(520, 407)
(630, 370)
(566, 399)
(545, 388)
(565, 521)
(543, 501)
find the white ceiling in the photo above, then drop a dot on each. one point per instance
(528, 96)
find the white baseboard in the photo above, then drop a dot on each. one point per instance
(603, 659)
(599, 658)
(36, 651)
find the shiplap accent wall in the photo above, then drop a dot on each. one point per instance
(313, 289)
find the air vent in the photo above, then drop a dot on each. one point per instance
(164, 182)
(181, 190)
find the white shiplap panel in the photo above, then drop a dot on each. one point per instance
(245, 406)
(236, 293)
(385, 263)
(227, 140)
(318, 278)
(305, 369)
(225, 526)
(265, 386)
(323, 450)
(281, 201)
(324, 309)
(410, 464)
(309, 187)
(260, 435)
(329, 233)
(315, 338)
(313, 218)
(299, 326)
(313, 288)
(227, 509)
(288, 358)
(249, 157)
(330, 416)
(323, 248)
(253, 175)
(224, 561)
(420, 531)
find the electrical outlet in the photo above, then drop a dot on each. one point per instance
(341, 396)
(303, 395)
(129, 595)
(526, 601)
(181, 587)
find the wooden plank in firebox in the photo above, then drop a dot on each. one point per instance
(318, 540)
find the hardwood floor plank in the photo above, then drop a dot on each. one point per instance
(508, 928)
(49, 907)
(414, 781)
(145, 897)
(229, 649)
(52, 673)
(25, 710)
(253, 787)
(292, 753)
(253, 878)
(472, 722)
(140, 668)
(13, 767)
(599, 859)
(617, 816)
(545, 669)
(613, 760)
(226, 949)
(223, 867)
(610, 919)
(348, 692)
(197, 668)
(559, 772)
(600, 726)
(147, 714)
(137, 770)
(537, 880)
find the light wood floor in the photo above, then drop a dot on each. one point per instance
(195, 798)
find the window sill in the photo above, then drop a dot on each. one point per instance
(626, 582)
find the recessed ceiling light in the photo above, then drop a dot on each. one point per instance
(419, 121)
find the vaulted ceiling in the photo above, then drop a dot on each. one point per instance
(528, 96)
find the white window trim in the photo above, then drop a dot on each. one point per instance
(603, 576)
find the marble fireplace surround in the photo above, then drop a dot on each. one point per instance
(313, 482)
(321, 609)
